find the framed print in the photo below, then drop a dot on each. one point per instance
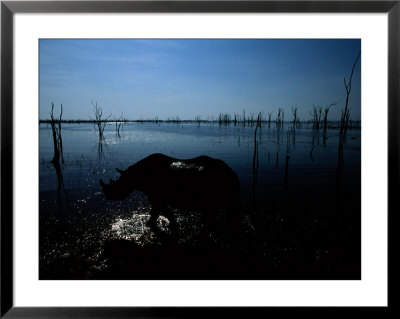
(230, 156)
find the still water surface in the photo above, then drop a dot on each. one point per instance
(289, 169)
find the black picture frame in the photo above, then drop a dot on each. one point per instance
(9, 8)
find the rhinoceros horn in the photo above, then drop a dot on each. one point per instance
(119, 170)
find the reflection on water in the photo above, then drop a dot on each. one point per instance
(291, 222)
(135, 227)
(62, 193)
(132, 228)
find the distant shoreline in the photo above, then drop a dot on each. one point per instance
(272, 123)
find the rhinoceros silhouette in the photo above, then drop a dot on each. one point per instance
(201, 183)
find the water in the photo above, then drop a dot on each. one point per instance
(298, 219)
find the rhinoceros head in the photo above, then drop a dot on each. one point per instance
(120, 188)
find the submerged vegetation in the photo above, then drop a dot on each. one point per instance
(57, 139)
(58, 157)
(101, 123)
(226, 119)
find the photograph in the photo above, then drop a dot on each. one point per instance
(199, 159)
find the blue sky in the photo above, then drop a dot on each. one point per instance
(144, 79)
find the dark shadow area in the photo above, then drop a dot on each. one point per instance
(168, 218)
(288, 238)
(130, 261)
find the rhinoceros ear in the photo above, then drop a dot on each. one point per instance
(102, 183)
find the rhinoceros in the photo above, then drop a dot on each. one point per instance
(202, 183)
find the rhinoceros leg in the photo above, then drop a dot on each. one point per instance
(154, 213)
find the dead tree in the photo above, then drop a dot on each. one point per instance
(295, 118)
(316, 114)
(326, 111)
(346, 113)
(279, 118)
(57, 139)
(60, 143)
(344, 123)
(118, 123)
(269, 119)
(101, 123)
(56, 156)
(325, 125)
(255, 154)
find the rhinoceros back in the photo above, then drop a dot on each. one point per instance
(201, 182)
